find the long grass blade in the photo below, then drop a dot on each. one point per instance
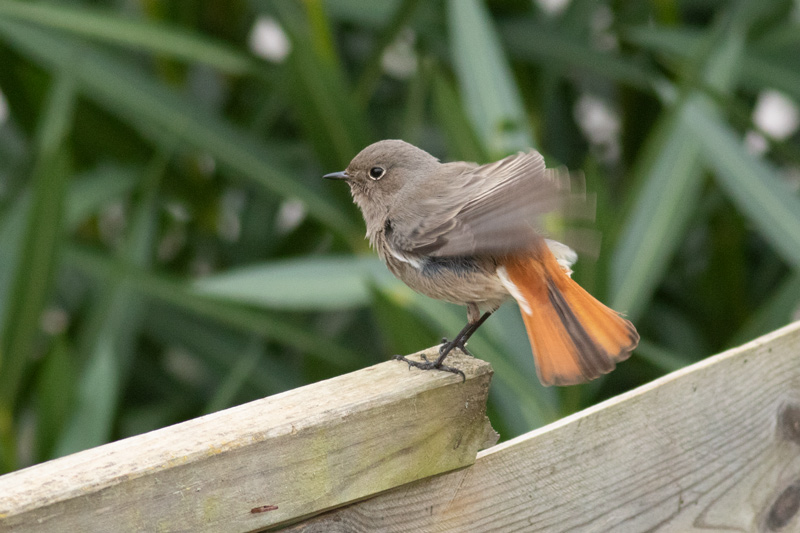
(761, 67)
(671, 186)
(55, 396)
(136, 34)
(301, 284)
(780, 308)
(38, 257)
(111, 335)
(487, 83)
(97, 394)
(184, 297)
(235, 380)
(319, 91)
(765, 198)
(135, 97)
(372, 69)
(554, 49)
(462, 141)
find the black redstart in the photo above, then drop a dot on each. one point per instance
(472, 235)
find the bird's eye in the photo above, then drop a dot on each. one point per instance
(376, 173)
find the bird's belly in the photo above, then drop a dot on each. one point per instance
(459, 280)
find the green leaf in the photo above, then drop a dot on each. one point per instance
(779, 309)
(12, 234)
(386, 36)
(97, 396)
(403, 330)
(136, 34)
(220, 347)
(245, 364)
(661, 357)
(55, 395)
(86, 194)
(757, 191)
(40, 245)
(660, 215)
(301, 284)
(490, 93)
(416, 107)
(111, 332)
(552, 48)
(761, 71)
(460, 136)
(319, 91)
(682, 42)
(135, 97)
(186, 298)
(92, 190)
(354, 11)
(671, 175)
(760, 68)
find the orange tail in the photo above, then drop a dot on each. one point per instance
(574, 337)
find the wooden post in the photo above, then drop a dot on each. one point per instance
(712, 447)
(267, 462)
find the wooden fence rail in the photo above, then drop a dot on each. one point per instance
(713, 447)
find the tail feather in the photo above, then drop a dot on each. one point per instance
(574, 337)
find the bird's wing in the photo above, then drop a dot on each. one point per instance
(466, 209)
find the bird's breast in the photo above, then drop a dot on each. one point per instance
(457, 279)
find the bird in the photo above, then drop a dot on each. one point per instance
(474, 235)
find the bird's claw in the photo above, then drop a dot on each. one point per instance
(448, 347)
(430, 365)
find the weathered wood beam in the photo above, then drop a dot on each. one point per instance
(266, 462)
(712, 447)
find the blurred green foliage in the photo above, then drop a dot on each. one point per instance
(167, 247)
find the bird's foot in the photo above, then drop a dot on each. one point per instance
(448, 346)
(430, 365)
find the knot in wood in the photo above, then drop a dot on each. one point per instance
(784, 508)
(789, 422)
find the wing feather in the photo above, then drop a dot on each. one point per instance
(465, 209)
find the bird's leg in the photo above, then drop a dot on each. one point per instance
(460, 341)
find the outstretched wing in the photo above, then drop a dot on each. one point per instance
(467, 209)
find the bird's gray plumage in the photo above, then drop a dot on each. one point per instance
(474, 235)
(488, 209)
(440, 227)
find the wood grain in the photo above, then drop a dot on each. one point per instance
(266, 462)
(713, 447)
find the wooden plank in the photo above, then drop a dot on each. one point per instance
(266, 462)
(713, 447)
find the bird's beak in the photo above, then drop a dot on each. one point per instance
(337, 176)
